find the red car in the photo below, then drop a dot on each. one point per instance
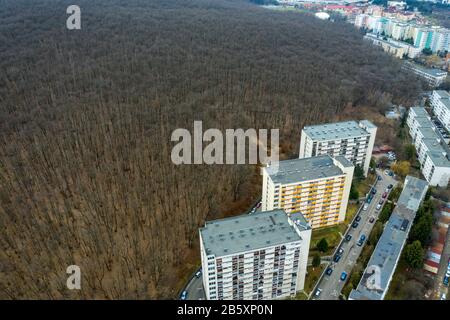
(384, 195)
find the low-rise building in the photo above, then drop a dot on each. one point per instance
(434, 77)
(259, 256)
(396, 48)
(351, 139)
(374, 283)
(318, 187)
(433, 153)
(440, 102)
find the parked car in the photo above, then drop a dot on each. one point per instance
(355, 225)
(337, 258)
(343, 276)
(374, 191)
(372, 219)
(318, 292)
(381, 201)
(366, 206)
(378, 206)
(183, 295)
(341, 251)
(443, 296)
(386, 172)
(198, 273)
(390, 186)
(361, 240)
(384, 195)
(329, 271)
(358, 218)
(348, 237)
(445, 282)
(379, 178)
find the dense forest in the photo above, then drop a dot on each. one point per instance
(87, 115)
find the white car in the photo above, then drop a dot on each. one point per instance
(378, 206)
(444, 296)
(318, 292)
(366, 206)
(386, 172)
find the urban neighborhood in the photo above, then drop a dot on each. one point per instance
(265, 253)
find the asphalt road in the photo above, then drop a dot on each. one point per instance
(331, 285)
(195, 289)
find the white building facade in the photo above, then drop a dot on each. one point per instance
(433, 153)
(351, 139)
(434, 77)
(261, 256)
(440, 102)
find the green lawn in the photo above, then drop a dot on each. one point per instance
(332, 234)
(329, 233)
(312, 275)
(301, 296)
(364, 186)
(352, 208)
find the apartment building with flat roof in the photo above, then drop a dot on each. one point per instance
(374, 283)
(440, 102)
(255, 256)
(434, 77)
(318, 187)
(351, 139)
(432, 151)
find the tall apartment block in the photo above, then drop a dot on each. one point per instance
(351, 139)
(255, 256)
(318, 187)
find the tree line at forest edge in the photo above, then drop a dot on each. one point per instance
(85, 170)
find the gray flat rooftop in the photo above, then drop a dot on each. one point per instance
(438, 158)
(428, 133)
(381, 267)
(420, 112)
(337, 130)
(249, 232)
(443, 94)
(433, 145)
(297, 170)
(424, 122)
(344, 161)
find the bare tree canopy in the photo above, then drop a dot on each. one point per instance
(86, 118)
